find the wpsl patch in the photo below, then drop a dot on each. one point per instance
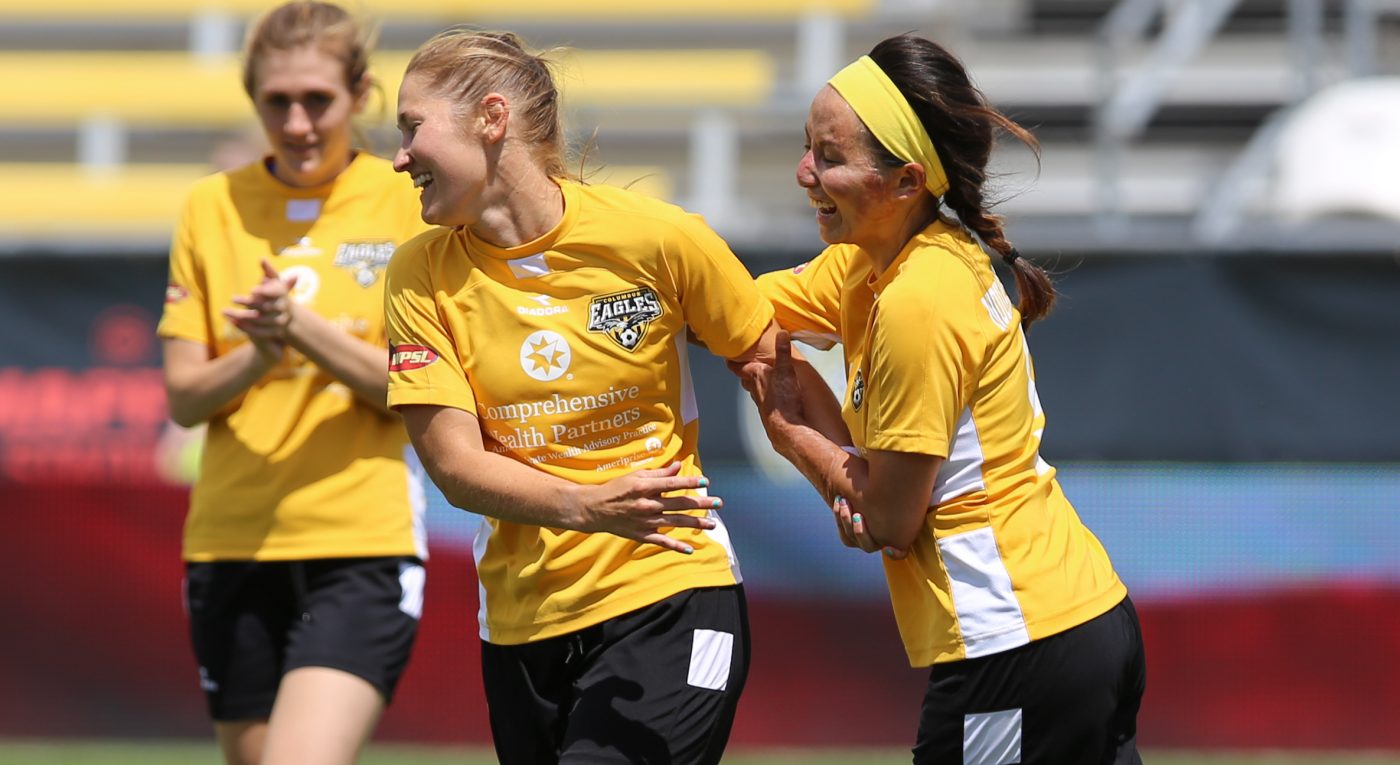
(624, 316)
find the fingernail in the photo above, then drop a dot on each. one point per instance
(840, 500)
(704, 482)
(687, 550)
(855, 518)
(889, 552)
(714, 505)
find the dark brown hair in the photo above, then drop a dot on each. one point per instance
(963, 128)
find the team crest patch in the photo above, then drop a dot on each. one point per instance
(624, 316)
(364, 259)
(858, 391)
(403, 358)
(174, 293)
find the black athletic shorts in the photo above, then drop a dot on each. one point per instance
(252, 622)
(658, 685)
(1068, 699)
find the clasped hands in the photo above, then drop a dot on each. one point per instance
(266, 313)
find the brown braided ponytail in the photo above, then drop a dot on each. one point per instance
(962, 126)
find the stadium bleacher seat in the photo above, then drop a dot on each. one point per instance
(438, 10)
(49, 200)
(171, 89)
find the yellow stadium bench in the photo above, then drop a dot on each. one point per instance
(447, 11)
(175, 89)
(40, 200)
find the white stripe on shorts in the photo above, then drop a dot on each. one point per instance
(992, 738)
(711, 652)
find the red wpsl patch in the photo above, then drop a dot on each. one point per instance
(403, 358)
(174, 293)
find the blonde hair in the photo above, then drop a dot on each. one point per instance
(302, 23)
(465, 65)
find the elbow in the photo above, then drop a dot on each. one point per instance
(184, 418)
(899, 533)
(182, 410)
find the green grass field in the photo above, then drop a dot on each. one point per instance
(202, 753)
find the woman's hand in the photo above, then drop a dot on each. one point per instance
(854, 532)
(266, 312)
(636, 506)
(775, 389)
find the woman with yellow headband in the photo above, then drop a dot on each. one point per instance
(1035, 650)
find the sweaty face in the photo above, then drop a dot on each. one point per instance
(305, 107)
(843, 179)
(445, 157)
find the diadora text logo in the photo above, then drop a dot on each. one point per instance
(624, 316)
(403, 358)
(545, 355)
(546, 308)
(304, 248)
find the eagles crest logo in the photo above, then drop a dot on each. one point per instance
(624, 316)
(364, 259)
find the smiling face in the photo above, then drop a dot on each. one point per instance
(305, 106)
(444, 154)
(851, 191)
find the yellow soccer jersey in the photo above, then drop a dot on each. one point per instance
(297, 468)
(937, 364)
(571, 352)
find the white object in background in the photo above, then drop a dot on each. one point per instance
(1340, 152)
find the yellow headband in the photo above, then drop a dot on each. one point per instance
(883, 109)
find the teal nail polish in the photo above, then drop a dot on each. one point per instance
(855, 518)
(704, 482)
(687, 550)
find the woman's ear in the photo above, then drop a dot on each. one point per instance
(909, 180)
(493, 113)
(361, 92)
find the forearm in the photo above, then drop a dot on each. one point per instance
(832, 471)
(499, 487)
(820, 409)
(893, 508)
(198, 390)
(360, 366)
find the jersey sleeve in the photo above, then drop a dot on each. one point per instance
(424, 359)
(717, 294)
(925, 349)
(186, 314)
(807, 299)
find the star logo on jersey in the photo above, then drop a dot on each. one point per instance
(545, 355)
(858, 391)
(624, 316)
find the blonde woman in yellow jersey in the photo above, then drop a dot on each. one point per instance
(303, 544)
(1035, 650)
(539, 363)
